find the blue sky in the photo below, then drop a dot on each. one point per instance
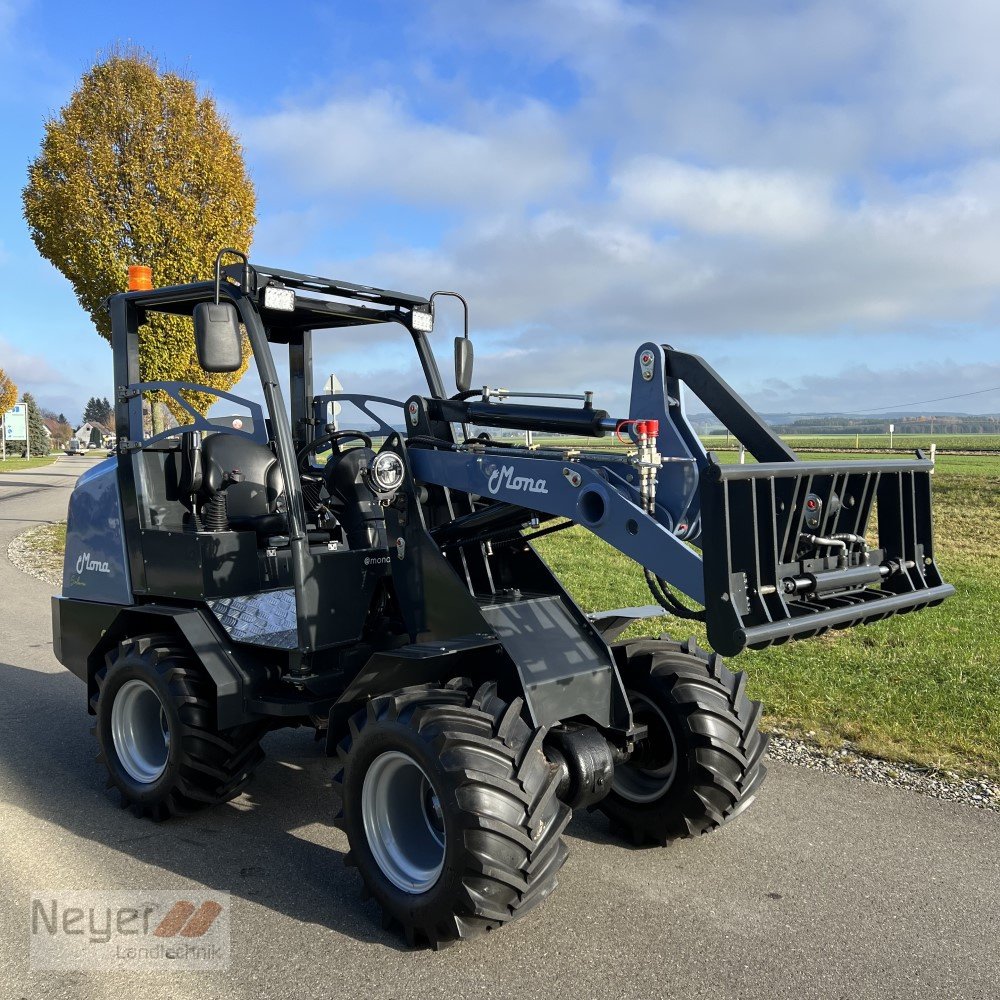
(806, 194)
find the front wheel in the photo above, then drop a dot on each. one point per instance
(450, 810)
(700, 764)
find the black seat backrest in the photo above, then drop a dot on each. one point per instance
(261, 484)
(191, 473)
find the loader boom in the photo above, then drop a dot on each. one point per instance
(784, 552)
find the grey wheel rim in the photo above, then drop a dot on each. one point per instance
(140, 732)
(403, 822)
(651, 771)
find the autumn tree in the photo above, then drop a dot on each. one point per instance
(139, 168)
(61, 432)
(8, 392)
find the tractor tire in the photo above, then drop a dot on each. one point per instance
(701, 763)
(156, 731)
(450, 811)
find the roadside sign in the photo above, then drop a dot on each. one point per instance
(331, 387)
(892, 428)
(16, 423)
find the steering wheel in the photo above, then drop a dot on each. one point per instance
(333, 440)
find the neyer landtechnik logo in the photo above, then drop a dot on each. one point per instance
(155, 929)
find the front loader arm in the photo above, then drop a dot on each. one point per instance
(575, 490)
(787, 547)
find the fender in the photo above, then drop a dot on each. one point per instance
(86, 630)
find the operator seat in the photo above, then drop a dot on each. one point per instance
(252, 502)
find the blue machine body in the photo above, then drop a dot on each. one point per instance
(96, 565)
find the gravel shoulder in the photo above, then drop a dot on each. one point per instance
(947, 785)
(36, 553)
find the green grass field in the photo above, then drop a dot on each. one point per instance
(903, 443)
(51, 539)
(921, 688)
(20, 464)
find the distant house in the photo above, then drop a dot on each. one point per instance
(57, 433)
(85, 429)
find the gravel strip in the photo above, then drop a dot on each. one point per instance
(979, 792)
(25, 554)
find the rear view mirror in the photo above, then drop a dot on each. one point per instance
(463, 363)
(217, 336)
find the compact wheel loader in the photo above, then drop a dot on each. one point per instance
(376, 579)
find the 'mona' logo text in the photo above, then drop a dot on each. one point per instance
(91, 565)
(504, 477)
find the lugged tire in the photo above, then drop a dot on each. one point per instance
(204, 766)
(719, 749)
(497, 795)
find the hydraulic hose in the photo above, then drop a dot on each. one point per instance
(665, 597)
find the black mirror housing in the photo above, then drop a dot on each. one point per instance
(217, 336)
(464, 356)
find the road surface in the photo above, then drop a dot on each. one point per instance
(826, 888)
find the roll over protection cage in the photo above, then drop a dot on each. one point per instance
(342, 304)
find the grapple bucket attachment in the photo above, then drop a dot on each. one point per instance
(789, 552)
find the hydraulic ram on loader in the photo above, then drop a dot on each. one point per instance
(784, 546)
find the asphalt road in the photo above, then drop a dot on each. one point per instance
(826, 887)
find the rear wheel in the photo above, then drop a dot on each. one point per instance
(450, 810)
(700, 764)
(157, 735)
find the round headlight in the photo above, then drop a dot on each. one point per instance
(387, 471)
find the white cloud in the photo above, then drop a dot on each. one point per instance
(767, 204)
(764, 84)
(810, 171)
(940, 75)
(373, 144)
(561, 300)
(28, 369)
(863, 386)
(58, 385)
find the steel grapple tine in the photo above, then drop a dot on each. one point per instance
(778, 564)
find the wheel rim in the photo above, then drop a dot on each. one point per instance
(652, 768)
(140, 731)
(403, 822)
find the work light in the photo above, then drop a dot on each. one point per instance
(422, 319)
(387, 471)
(276, 297)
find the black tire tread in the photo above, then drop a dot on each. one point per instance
(489, 752)
(723, 770)
(215, 766)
